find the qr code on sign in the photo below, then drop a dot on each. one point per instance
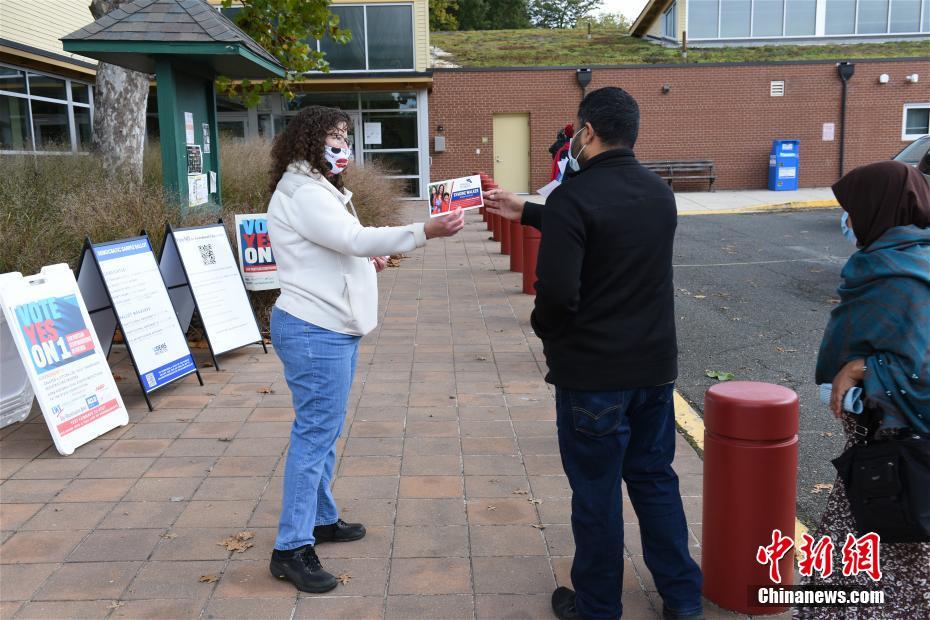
(206, 254)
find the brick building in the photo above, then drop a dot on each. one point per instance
(727, 113)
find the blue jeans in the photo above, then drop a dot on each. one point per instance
(630, 435)
(318, 365)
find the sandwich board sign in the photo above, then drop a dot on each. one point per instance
(256, 258)
(62, 355)
(121, 283)
(200, 270)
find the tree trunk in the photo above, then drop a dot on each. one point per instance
(120, 97)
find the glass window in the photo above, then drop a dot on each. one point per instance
(14, 124)
(389, 101)
(231, 129)
(398, 129)
(343, 101)
(734, 18)
(80, 93)
(349, 56)
(670, 26)
(702, 19)
(841, 17)
(390, 37)
(905, 16)
(873, 16)
(800, 18)
(768, 18)
(395, 163)
(83, 129)
(47, 86)
(12, 80)
(916, 121)
(926, 11)
(50, 125)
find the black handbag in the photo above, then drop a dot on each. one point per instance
(887, 482)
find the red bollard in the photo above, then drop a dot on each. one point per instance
(750, 477)
(505, 236)
(496, 227)
(516, 246)
(531, 238)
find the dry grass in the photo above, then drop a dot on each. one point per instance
(49, 204)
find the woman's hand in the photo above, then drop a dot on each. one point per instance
(380, 262)
(849, 377)
(446, 225)
(505, 204)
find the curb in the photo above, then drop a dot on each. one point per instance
(691, 426)
(801, 205)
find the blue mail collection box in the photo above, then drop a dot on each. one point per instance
(783, 165)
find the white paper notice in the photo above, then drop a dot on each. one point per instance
(372, 133)
(206, 137)
(197, 190)
(217, 286)
(829, 130)
(212, 182)
(189, 127)
(141, 301)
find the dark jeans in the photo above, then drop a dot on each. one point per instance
(630, 435)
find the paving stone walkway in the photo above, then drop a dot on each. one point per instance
(448, 455)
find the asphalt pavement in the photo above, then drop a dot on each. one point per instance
(753, 295)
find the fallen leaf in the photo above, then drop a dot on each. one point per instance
(207, 365)
(700, 296)
(266, 340)
(826, 434)
(492, 507)
(719, 375)
(208, 579)
(169, 536)
(224, 439)
(832, 301)
(481, 358)
(238, 543)
(265, 390)
(177, 498)
(115, 605)
(538, 526)
(520, 492)
(183, 419)
(534, 501)
(117, 376)
(344, 578)
(821, 487)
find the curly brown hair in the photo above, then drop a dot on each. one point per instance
(304, 139)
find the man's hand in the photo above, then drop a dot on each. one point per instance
(505, 204)
(849, 377)
(380, 262)
(446, 225)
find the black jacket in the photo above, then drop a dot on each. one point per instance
(605, 307)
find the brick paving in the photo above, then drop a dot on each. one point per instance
(448, 456)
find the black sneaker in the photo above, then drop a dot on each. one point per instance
(563, 604)
(668, 614)
(302, 568)
(340, 531)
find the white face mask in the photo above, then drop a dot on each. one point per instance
(573, 163)
(847, 230)
(337, 158)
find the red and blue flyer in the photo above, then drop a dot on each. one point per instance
(54, 332)
(462, 193)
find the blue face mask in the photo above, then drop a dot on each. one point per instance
(573, 164)
(847, 231)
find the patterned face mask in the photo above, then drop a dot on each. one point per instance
(337, 158)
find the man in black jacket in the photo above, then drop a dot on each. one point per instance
(605, 313)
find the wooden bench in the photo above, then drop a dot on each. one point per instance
(683, 170)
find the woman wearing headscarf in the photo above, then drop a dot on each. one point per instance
(878, 339)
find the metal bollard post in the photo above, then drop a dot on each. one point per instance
(531, 238)
(750, 477)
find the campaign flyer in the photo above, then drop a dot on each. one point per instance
(256, 257)
(447, 196)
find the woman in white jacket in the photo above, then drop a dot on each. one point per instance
(327, 263)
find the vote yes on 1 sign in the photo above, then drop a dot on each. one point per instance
(62, 356)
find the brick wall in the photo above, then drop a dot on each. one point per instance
(723, 113)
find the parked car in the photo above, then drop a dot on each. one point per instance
(916, 151)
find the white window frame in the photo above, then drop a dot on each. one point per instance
(910, 137)
(368, 69)
(820, 18)
(68, 102)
